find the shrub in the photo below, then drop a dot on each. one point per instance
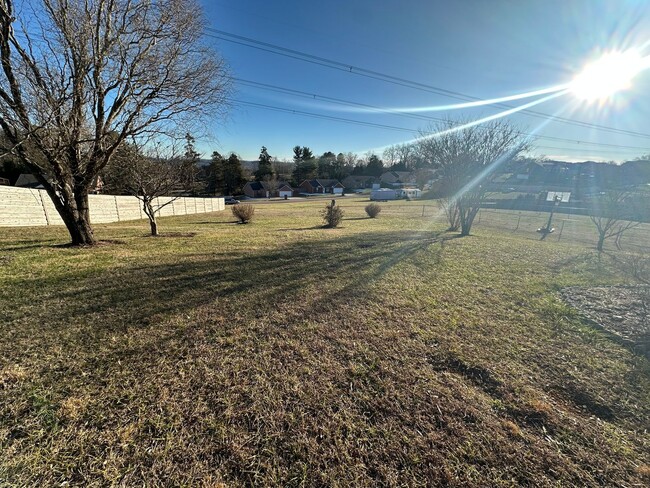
(332, 215)
(373, 210)
(244, 212)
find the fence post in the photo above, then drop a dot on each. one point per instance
(518, 220)
(117, 208)
(422, 210)
(561, 229)
(47, 217)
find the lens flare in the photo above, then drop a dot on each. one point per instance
(608, 75)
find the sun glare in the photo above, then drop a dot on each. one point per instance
(611, 73)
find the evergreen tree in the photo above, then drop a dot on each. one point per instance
(326, 165)
(306, 166)
(265, 169)
(375, 166)
(233, 175)
(297, 154)
(216, 173)
(189, 165)
(339, 168)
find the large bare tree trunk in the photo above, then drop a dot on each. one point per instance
(74, 211)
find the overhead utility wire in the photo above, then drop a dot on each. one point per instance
(319, 116)
(310, 58)
(403, 129)
(314, 96)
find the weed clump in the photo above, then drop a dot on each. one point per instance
(244, 212)
(373, 210)
(332, 215)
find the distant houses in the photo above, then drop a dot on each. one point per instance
(321, 186)
(585, 176)
(356, 182)
(28, 180)
(266, 189)
(282, 189)
(398, 179)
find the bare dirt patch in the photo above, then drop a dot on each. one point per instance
(621, 311)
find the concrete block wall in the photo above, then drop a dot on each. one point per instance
(28, 207)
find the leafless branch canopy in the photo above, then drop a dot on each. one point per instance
(467, 159)
(80, 77)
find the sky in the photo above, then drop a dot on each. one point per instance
(476, 49)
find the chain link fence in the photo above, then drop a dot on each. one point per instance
(568, 227)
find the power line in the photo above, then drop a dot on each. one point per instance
(328, 63)
(584, 149)
(397, 128)
(320, 116)
(314, 96)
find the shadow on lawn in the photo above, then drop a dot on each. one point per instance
(315, 274)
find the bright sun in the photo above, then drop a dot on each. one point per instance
(611, 73)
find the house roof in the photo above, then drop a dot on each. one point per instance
(27, 180)
(325, 183)
(256, 185)
(265, 185)
(330, 182)
(397, 176)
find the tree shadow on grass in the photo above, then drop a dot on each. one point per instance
(147, 295)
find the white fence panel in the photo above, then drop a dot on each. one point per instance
(29, 207)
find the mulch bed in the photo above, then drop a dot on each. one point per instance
(622, 311)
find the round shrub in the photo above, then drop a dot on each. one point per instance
(244, 212)
(373, 210)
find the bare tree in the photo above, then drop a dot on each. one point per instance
(467, 159)
(149, 174)
(450, 208)
(610, 215)
(80, 77)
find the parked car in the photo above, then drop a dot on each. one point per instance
(231, 201)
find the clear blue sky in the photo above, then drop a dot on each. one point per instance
(482, 48)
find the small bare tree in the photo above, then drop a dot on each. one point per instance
(149, 174)
(467, 159)
(609, 214)
(78, 78)
(450, 208)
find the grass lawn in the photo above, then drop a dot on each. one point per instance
(278, 353)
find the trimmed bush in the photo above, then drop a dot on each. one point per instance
(244, 212)
(373, 210)
(332, 215)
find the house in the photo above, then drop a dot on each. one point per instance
(322, 186)
(353, 182)
(27, 180)
(397, 179)
(285, 190)
(257, 189)
(265, 189)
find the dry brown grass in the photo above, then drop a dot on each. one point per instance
(382, 352)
